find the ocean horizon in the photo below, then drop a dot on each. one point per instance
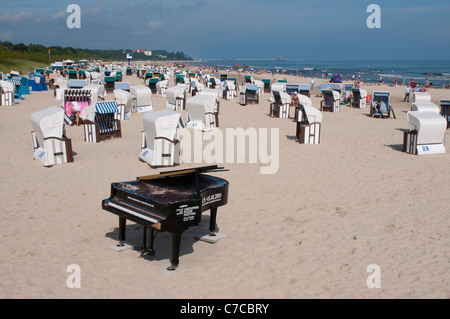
(370, 71)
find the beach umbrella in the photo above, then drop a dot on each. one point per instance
(324, 86)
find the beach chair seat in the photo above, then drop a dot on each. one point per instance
(331, 101)
(251, 94)
(50, 145)
(151, 83)
(426, 134)
(266, 85)
(109, 83)
(386, 107)
(309, 124)
(277, 86)
(281, 106)
(359, 98)
(106, 124)
(159, 145)
(305, 89)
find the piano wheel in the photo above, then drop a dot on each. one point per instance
(172, 268)
(212, 234)
(148, 251)
(120, 244)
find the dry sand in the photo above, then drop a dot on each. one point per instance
(308, 231)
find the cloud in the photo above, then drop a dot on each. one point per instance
(8, 17)
(59, 14)
(155, 24)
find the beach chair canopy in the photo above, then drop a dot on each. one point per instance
(76, 84)
(281, 97)
(430, 126)
(280, 87)
(161, 124)
(230, 85)
(198, 105)
(360, 93)
(123, 97)
(48, 123)
(425, 107)
(331, 94)
(251, 87)
(314, 115)
(173, 92)
(122, 86)
(106, 107)
(211, 92)
(421, 97)
(292, 88)
(303, 99)
(142, 94)
(7, 86)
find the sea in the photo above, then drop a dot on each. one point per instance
(436, 71)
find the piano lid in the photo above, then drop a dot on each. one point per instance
(173, 186)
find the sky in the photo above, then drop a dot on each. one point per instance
(250, 29)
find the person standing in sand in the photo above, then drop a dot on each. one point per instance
(407, 93)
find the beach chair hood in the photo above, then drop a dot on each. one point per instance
(430, 126)
(48, 123)
(161, 124)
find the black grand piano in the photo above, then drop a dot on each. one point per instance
(168, 202)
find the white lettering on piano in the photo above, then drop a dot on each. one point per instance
(140, 201)
(212, 198)
(188, 213)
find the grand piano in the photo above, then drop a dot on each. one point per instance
(170, 201)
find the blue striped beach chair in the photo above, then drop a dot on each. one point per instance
(105, 125)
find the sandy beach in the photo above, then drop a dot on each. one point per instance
(308, 231)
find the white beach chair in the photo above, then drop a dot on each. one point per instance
(7, 91)
(201, 112)
(159, 145)
(176, 97)
(142, 98)
(281, 106)
(124, 103)
(359, 98)
(309, 124)
(161, 88)
(331, 101)
(426, 133)
(50, 146)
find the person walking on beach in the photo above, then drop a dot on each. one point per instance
(407, 93)
(312, 83)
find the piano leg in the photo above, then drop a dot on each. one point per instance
(212, 221)
(176, 241)
(122, 226)
(148, 249)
